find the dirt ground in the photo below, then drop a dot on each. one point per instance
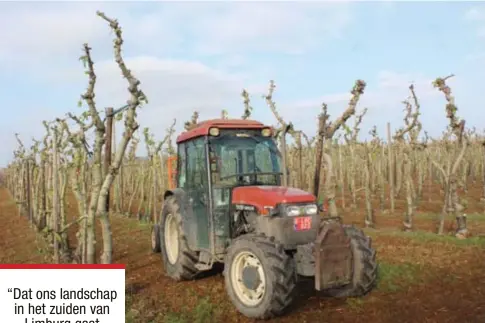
(423, 277)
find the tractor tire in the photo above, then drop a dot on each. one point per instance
(179, 261)
(274, 275)
(156, 238)
(365, 268)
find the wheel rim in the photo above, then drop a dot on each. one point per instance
(246, 261)
(171, 239)
(154, 238)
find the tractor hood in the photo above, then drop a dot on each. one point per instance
(262, 196)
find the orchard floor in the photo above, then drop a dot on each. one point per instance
(423, 277)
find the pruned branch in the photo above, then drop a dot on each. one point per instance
(168, 137)
(356, 92)
(189, 125)
(272, 105)
(457, 126)
(137, 97)
(247, 105)
(224, 114)
(351, 135)
(89, 95)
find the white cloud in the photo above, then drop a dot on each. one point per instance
(44, 31)
(383, 100)
(391, 87)
(47, 42)
(175, 88)
(48, 39)
(398, 83)
(55, 32)
(42, 41)
(41, 33)
(287, 27)
(474, 14)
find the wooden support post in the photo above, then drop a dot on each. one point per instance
(319, 154)
(43, 200)
(29, 192)
(391, 166)
(55, 197)
(155, 191)
(107, 148)
(23, 192)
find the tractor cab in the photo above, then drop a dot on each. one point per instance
(242, 158)
(227, 205)
(228, 166)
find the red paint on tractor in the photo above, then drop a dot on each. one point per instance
(202, 128)
(261, 196)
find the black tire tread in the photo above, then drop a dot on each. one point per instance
(282, 273)
(185, 268)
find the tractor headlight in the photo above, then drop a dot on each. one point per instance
(266, 132)
(297, 210)
(214, 132)
(311, 209)
(293, 210)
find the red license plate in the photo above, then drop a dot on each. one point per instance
(302, 223)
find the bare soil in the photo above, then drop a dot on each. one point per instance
(423, 277)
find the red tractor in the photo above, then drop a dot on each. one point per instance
(230, 207)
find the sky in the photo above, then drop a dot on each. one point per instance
(200, 55)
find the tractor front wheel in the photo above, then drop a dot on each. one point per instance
(365, 268)
(260, 277)
(179, 261)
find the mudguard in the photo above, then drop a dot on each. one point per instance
(333, 256)
(189, 223)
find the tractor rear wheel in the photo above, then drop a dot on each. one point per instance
(365, 268)
(260, 277)
(156, 238)
(179, 261)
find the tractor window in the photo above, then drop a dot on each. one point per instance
(196, 164)
(181, 166)
(197, 191)
(249, 160)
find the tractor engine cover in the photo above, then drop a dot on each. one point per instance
(290, 231)
(286, 232)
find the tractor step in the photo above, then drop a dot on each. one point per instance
(205, 261)
(202, 266)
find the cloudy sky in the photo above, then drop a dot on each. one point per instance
(199, 56)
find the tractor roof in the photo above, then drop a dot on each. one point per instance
(202, 128)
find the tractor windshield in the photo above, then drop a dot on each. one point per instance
(244, 159)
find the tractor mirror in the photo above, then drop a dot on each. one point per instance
(320, 207)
